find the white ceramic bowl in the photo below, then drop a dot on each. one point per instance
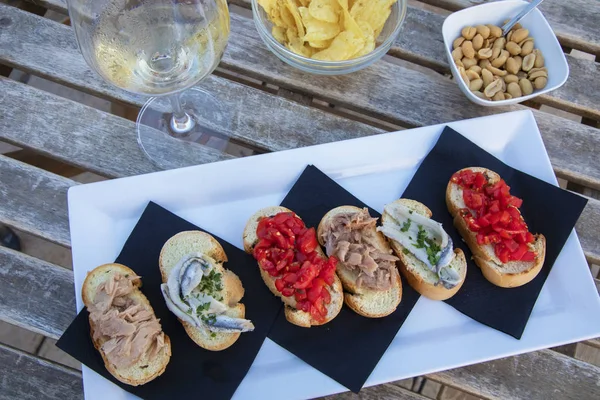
(496, 13)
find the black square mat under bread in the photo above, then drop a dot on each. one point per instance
(192, 370)
(349, 347)
(546, 208)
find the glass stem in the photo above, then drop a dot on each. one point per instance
(181, 122)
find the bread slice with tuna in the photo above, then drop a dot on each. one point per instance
(292, 314)
(417, 274)
(145, 369)
(190, 242)
(364, 301)
(510, 274)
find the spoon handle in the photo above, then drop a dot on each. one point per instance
(513, 21)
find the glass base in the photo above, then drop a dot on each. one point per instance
(206, 142)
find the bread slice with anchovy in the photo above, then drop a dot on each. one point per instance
(417, 274)
(144, 370)
(292, 314)
(366, 302)
(189, 242)
(510, 274)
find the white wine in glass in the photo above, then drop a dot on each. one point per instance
(159, 48)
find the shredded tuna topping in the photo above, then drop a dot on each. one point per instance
(128, 329)
(351, 238)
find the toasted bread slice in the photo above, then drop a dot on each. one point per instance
(185, 243)
(144, 370)
(419, 277)
(510, 274)
(292, 314)
(366, 302)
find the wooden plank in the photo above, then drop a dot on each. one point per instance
(27, 377)
(575, 22)
(421, 41)
(542, 374)
(34, 43)
(384, 391)
(597, 281)
(34, 200)
(51, 309)
(587, 230)
(82, 135)
(397, 93)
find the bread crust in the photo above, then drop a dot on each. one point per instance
(157, 366)
(491, 267)
(202, 242)
(293, 315)
(361, 300)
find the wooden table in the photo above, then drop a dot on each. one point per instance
(275, 108)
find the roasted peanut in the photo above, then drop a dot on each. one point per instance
(527, 47)
(495, 31)
(457, 42)
(469, 32)
(500, 42)
(519, 35)
(476, 69)
(495, 53)
(483, 30)
(496, 71)
(514, 89)
(484, 63)
(519, 61)
(528, 62)
(539, 58)
(480, 95)
(511, 78)
(484, 54)
(477, 42)
(513, 48)
(526, 86)
(493, 88)
(499, 96)
(507, 96)
(469, 62)
(459, 63)
(457, 54)
(537, 74)
(499, 62)
(512, 66)
(487, 44)
(463, 75)
(467, 49)
(472, 74)
(540, 82)
(521, 75)
(487, 77)
(509, 35)
(475, 84)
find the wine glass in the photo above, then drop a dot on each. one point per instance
(160, 48)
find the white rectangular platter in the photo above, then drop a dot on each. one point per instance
(220, 197)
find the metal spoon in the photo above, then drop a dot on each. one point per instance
(513, 21)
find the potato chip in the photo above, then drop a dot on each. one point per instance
(325, 10)
(279, 34)
(331, 30)
(267, 5)
(293, 9)
(315, 29)
(343, 47)
(320, 44)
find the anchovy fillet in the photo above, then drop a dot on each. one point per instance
(412, 221)
(224, 323)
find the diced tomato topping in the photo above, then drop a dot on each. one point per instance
(494, 214)
(287, 250)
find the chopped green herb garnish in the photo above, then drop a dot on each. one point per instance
(189, 311)
(406, 226)
(209, 319)
(213, 335)
(211, 284)
(431, 247)
(126, 275)
(202, 307)
(405, 251)
(410, 211)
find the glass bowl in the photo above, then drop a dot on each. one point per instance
(383, 43)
